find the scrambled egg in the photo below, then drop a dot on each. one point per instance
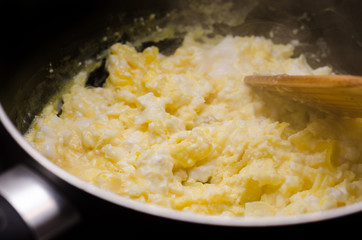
(185, 132)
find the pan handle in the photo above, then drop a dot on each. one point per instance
(31, 208)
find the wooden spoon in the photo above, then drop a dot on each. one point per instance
(341, 94)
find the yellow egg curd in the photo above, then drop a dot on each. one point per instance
(185, 132)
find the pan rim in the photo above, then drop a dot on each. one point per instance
(159, 211)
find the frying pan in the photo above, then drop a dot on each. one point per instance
(45, 44)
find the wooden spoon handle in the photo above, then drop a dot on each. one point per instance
(305, 81)
(341, 94)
